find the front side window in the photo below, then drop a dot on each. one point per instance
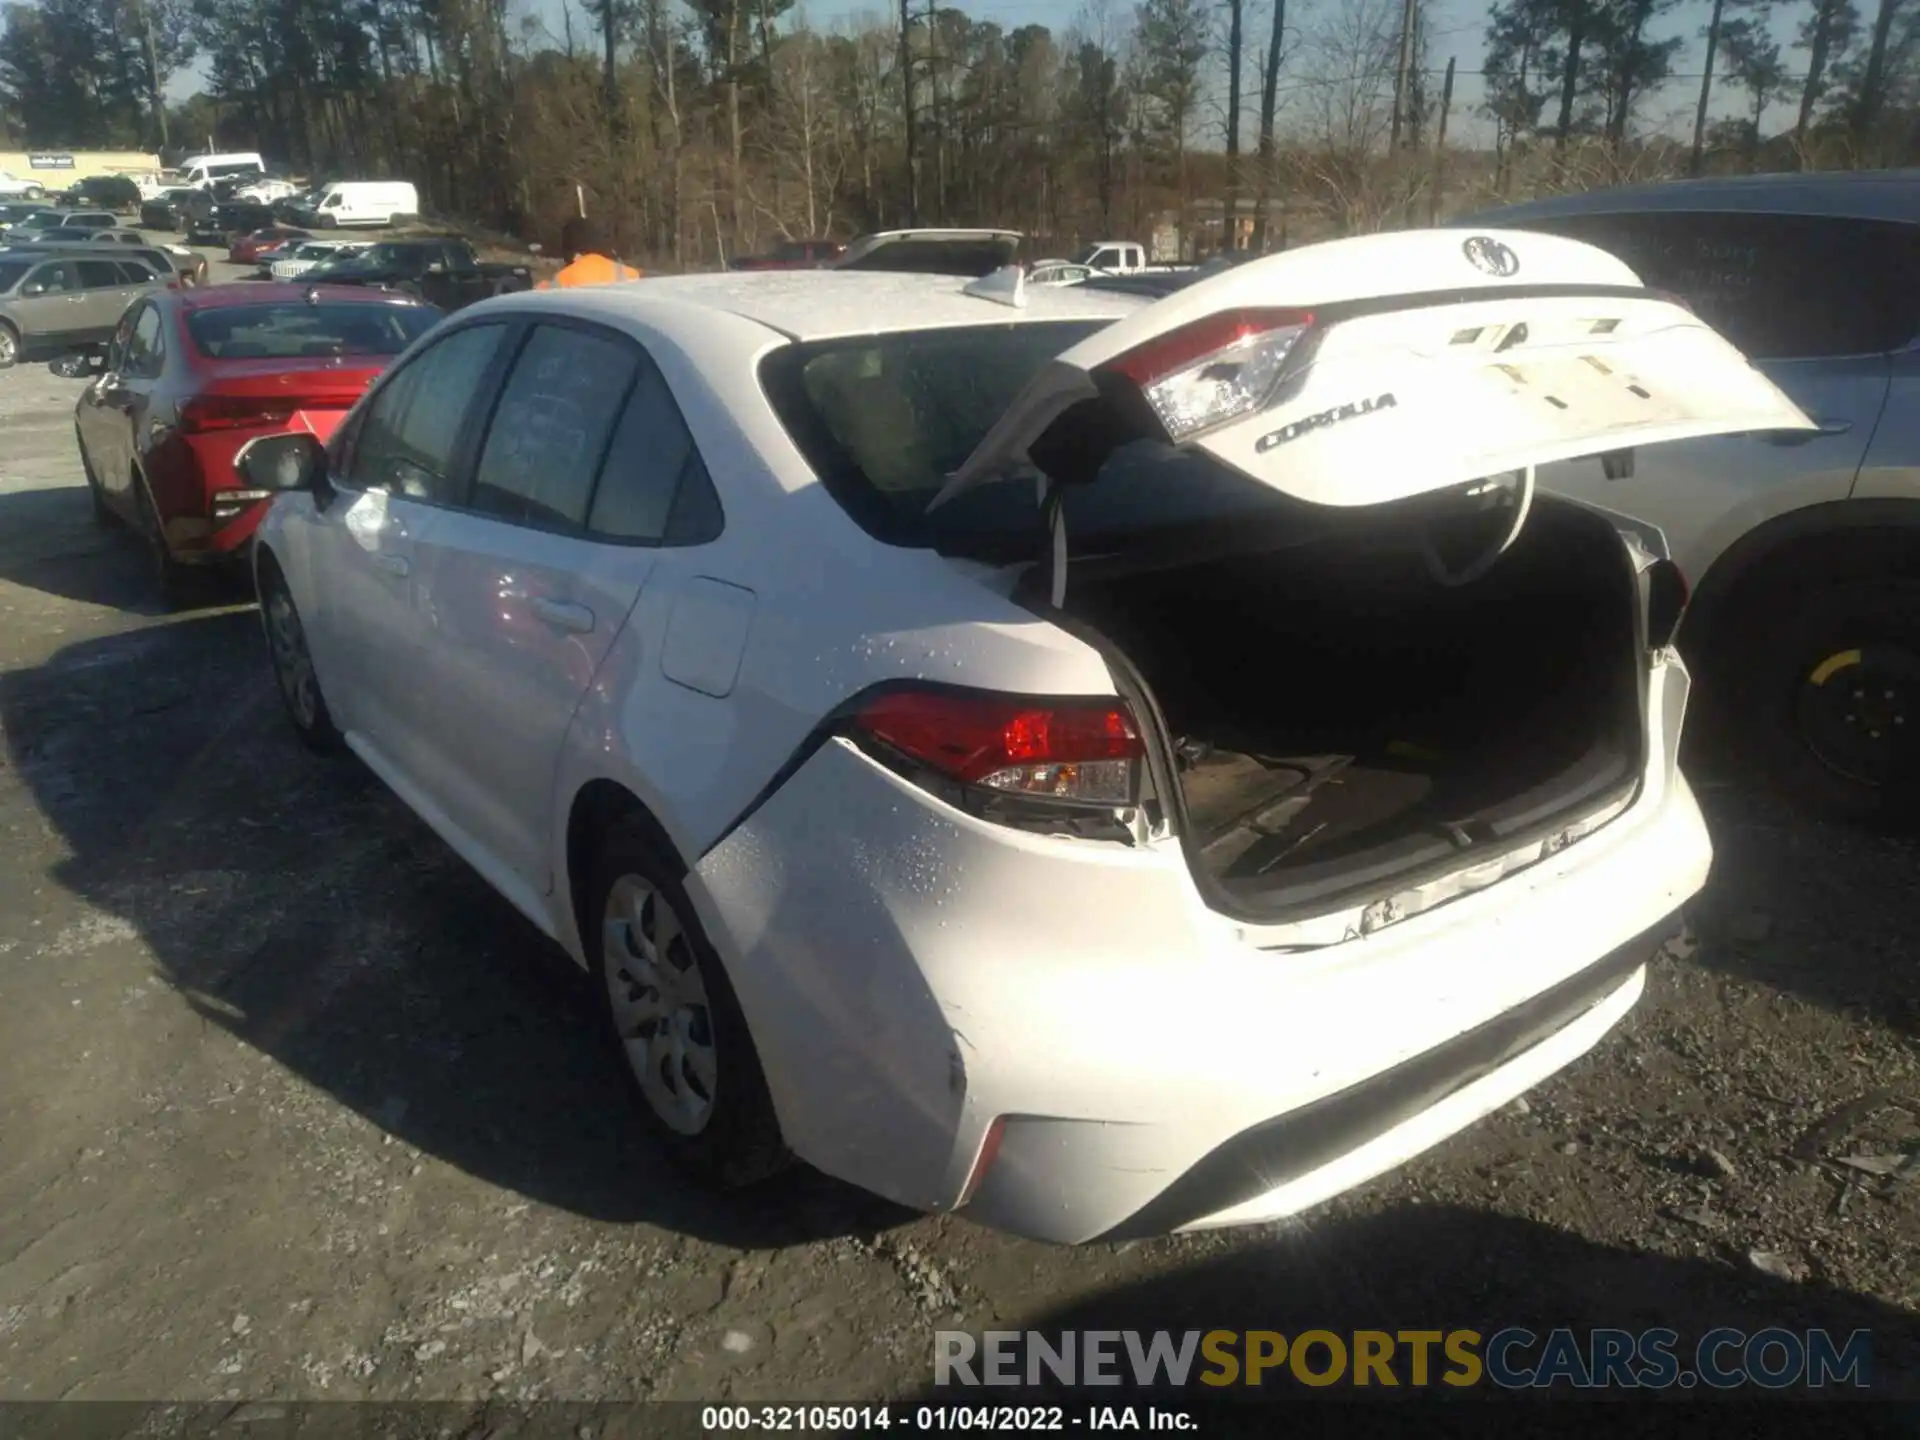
(407, 444)
(550, 428)
(56, 278)
(1777, 286)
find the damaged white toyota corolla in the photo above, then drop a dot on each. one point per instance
(1102, 767)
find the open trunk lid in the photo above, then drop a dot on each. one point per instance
(1365, 371)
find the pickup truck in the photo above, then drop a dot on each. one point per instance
(1121, 257)
(12, 188)
(440, 269)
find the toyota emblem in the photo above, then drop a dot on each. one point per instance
(1490, 256)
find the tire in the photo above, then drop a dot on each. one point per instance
(1827, 686)
(665, 1001)
(34, 192)
(9, 346)
(329, 222)
(102, 516)
(293, 673)
(176, 582)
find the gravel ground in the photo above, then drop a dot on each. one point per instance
(293, 1106)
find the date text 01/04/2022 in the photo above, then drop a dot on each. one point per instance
(987, 1419)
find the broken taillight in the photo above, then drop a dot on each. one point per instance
(1086, 751)
(1214, 370)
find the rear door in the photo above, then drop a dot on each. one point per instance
(529, 584)
(1817, 303)
(1306, 373)
(107, 292)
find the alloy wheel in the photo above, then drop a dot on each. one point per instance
(660, 1006)
(9, 347)
(292, 664)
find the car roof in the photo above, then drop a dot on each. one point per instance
(1851, 194)
(291, 292)
(833, 304)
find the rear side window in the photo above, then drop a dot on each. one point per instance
(297, 331)
(132, 272)
(1777, 286)
(100, 274)
(550, 428)
(654, 487)
(406, 445)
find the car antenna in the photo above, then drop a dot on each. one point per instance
(1005, 286)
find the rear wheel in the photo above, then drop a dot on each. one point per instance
(102, 516)
(1830, 701)
(175, 580)
(669, 1010)
(293, 672)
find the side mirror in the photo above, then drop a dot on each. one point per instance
(438, 267)
(281, 463)
(536, 248)
(31, 289)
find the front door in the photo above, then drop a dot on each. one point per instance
(395, 473)
(527, 589)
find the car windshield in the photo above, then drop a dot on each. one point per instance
(10, 273)
(374, 257)
(300, 330)
(1084, 255)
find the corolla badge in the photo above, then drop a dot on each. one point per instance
(1490, 256)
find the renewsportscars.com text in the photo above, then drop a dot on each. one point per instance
(1512, 1358)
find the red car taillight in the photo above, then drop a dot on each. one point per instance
(1215, 370)
(234, 412)
(1084, 751)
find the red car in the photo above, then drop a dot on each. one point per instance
(192, 375)
(249, 249)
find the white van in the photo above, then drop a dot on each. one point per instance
(365, 202)
(200, 171)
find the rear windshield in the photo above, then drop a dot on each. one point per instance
(10, 273)
(280, 332)
(968, 258)
(884, 419)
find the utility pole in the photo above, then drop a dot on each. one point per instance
(906, 86)
(153, 74)
(1440, 146)
(1408, 13)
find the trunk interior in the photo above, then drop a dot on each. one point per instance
(1345, 724)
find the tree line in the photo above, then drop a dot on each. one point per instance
(701, 129)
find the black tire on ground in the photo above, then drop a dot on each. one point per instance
(9, 346)
(102, 516)
(293, 664)
(1823, 692)
(178, 584)
(740, 1141)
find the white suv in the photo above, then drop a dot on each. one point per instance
(1107, 767)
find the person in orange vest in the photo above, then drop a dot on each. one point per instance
(588, 265)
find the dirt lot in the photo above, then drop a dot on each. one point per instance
(292, 1106)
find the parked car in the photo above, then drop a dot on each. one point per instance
(13, 187)
(190, 377)
(441, 269)
(63, 223)
(54, 302)
(202, 171)
(792, 255)
(14, 211)
(246, 248)
(190, 265)
(289, 209)
(1804, 549)
(267, 190)
(157, 258)
(932, 252)
(1287, 681)
(1058, 272)
(175, 209)
(106, 192)
(299, 258)
(360, 202)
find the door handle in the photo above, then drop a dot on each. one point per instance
(394, 564)
(564, 615)
(1801, 437)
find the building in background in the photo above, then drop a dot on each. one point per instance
(57, 169)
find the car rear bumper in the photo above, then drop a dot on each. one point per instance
(918, 980)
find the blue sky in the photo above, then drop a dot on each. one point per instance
(1456, 30)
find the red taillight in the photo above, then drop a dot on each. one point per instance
(1178, 349)
(235, 412)
(1083, 750)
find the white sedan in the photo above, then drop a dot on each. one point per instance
(1099, 766)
